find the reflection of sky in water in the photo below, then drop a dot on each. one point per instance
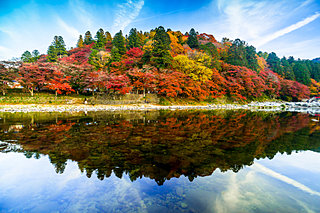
(288, 183)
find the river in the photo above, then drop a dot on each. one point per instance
(160, 161)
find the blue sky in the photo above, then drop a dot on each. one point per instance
(283, 26)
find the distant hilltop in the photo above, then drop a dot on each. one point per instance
(316, 60)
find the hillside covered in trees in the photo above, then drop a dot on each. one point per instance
(169, 63)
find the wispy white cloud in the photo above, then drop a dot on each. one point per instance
(286, 30)
(80, 10)
(73, 32)
(126, 13)
(285, 179)
(247, 19)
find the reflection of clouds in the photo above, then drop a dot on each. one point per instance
(283, 178)
(305, 161)
(126, 193)
(237, 197)
(229, 198)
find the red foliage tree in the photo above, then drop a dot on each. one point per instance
(118, 83)
(33, 76)
(242, 82)
(6, 77)
(169, 83)
(57, 81)
(272, 82)
(143, 79)
(293, 90)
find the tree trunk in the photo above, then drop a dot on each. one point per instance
(144, 92)
(3, 92)
(31, 92)
(56, 93)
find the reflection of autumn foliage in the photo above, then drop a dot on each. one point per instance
(168, 145)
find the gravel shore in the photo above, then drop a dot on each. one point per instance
(136, 107)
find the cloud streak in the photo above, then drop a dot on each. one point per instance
(74, 33)
(286, 30)
(285, 179)
(126, 13)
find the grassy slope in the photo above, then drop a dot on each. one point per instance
(40, 98)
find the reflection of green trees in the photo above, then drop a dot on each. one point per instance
(166, 144)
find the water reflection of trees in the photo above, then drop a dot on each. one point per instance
(163, 145)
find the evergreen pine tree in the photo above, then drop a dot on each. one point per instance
(101, 40)
(287, 69)
(161, 57)
(115, 56)
(88, 38)
(118, 42)
(251, 58)
(52, 54)
(35, 55)
(301, 72)
(60, 46)
(274, 63)
(192, 39)
(26, 57)
(133, 39)
(237, 53)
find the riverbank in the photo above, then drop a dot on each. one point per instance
(256, 106)
(133, 107)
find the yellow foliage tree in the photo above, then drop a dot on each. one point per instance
(176, 48)
(201, 58)
(314, 88)
(148, 46)
(261, 62)
(194, 69)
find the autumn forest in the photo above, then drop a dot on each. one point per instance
(168, 63)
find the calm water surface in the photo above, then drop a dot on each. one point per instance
(160, 161)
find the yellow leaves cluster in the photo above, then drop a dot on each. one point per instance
(195, 69)
(200, 57)
(314, 88)
(176, 48)
(261, 62)
(148, 46)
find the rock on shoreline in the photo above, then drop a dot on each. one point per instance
(89, 108)
(260, 106)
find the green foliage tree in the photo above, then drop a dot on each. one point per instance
(115, 55)
(118, 42)
(26, 57)
(251, 58)
(101, 39)
(301, 72)
(59, 45)
(287, 69)
(133, 39)
(237, 53)
(35, 53)
(52, 54)
(161, 56)
(88, 38)
(263, 55)
(192, 39)
(275, 64)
